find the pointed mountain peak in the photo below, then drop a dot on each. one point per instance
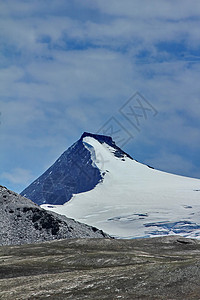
(109, 141)
(74, 172)
(99, 137)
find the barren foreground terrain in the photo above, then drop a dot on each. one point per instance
(156, 268)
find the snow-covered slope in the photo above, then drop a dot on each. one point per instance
(131, 199)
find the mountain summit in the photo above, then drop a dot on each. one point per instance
(73, 172)
(97, 183)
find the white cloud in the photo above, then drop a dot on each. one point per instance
(67, 67)
(17, 176)
(149, 9)
(173, 163)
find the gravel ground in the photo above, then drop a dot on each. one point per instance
(156, 268)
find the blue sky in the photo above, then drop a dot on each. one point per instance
(70, 66)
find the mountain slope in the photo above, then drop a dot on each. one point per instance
(73, 172)
(22, 221)
(131, 199)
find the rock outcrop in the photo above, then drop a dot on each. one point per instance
(22, 222)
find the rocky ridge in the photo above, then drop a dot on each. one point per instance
(22, 222)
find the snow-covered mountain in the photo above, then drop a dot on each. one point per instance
(97, 183)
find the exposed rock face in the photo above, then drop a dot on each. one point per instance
(72, 173)
(22, 222)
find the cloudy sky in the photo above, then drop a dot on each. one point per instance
(130, 68)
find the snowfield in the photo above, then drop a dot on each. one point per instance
(134, 200)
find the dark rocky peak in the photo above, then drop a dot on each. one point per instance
(109, 141)
(99, 137)
(72, 173)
